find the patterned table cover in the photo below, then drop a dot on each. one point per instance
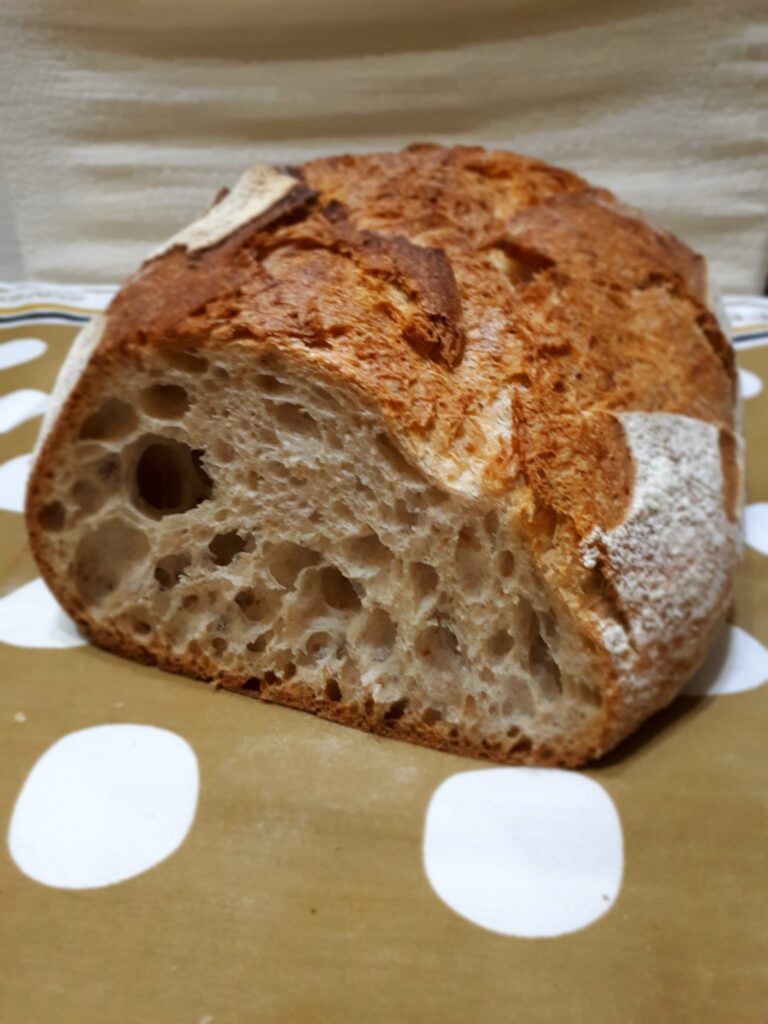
(173, 853)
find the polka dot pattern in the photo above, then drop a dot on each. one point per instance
(325, 843)
(756, 526)
(104, 804)
(736, 663)
(19, 351)
(749, 383)
(13, 482)
(527, 852)
(19, 406)
(31, 617)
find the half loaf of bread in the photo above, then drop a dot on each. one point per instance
(437, 443)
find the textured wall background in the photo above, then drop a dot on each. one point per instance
(119, 120)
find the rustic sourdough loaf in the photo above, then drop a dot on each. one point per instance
(437, 443)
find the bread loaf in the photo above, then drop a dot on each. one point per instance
(438, 443)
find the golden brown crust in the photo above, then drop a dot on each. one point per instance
(455, 290)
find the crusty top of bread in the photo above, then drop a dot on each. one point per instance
(525, 337)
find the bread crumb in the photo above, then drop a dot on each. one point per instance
(19, 717)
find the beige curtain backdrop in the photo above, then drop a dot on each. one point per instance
(120, 119)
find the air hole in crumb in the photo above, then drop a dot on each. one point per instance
(338, 591)
(491, 523)
(287, 560)
(277, 469)
(522, 746)
(438, 645)
(260, 644)
(403, 515)
(88, 497)
(289, 671)
(254, 480)
(333, 691)
(425, 579)
(114, 419)
(221, 373)
(367, 552)
(470, 704)
(165, 401)
(543, 666)
(190, 602)
(270, 384)
(252, 685)
(181, 359)
(104, 556)
(225, 546)
(378, 634)
(257, 606)
(431, 716)
(141, 627)
(169, 478)
(468, 558)
(110, 472)
(500, 644)
(364, 490)
(294, 418)
(319, 646)
(170, 569)
(506, 563)
(396, 710)
(219, 645)
(51, 517)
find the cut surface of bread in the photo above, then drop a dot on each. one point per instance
(437, 443)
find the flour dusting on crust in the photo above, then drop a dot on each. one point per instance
(671, 559)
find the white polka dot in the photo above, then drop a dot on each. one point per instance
(13, 482)
(104, 804)
(749, 383)
(31, 617)
(756, 526)
(737, 662)
(19, 406)
(20, 350)
(531, 852)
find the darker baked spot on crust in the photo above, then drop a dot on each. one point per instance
(426, 273)
(729, 465)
